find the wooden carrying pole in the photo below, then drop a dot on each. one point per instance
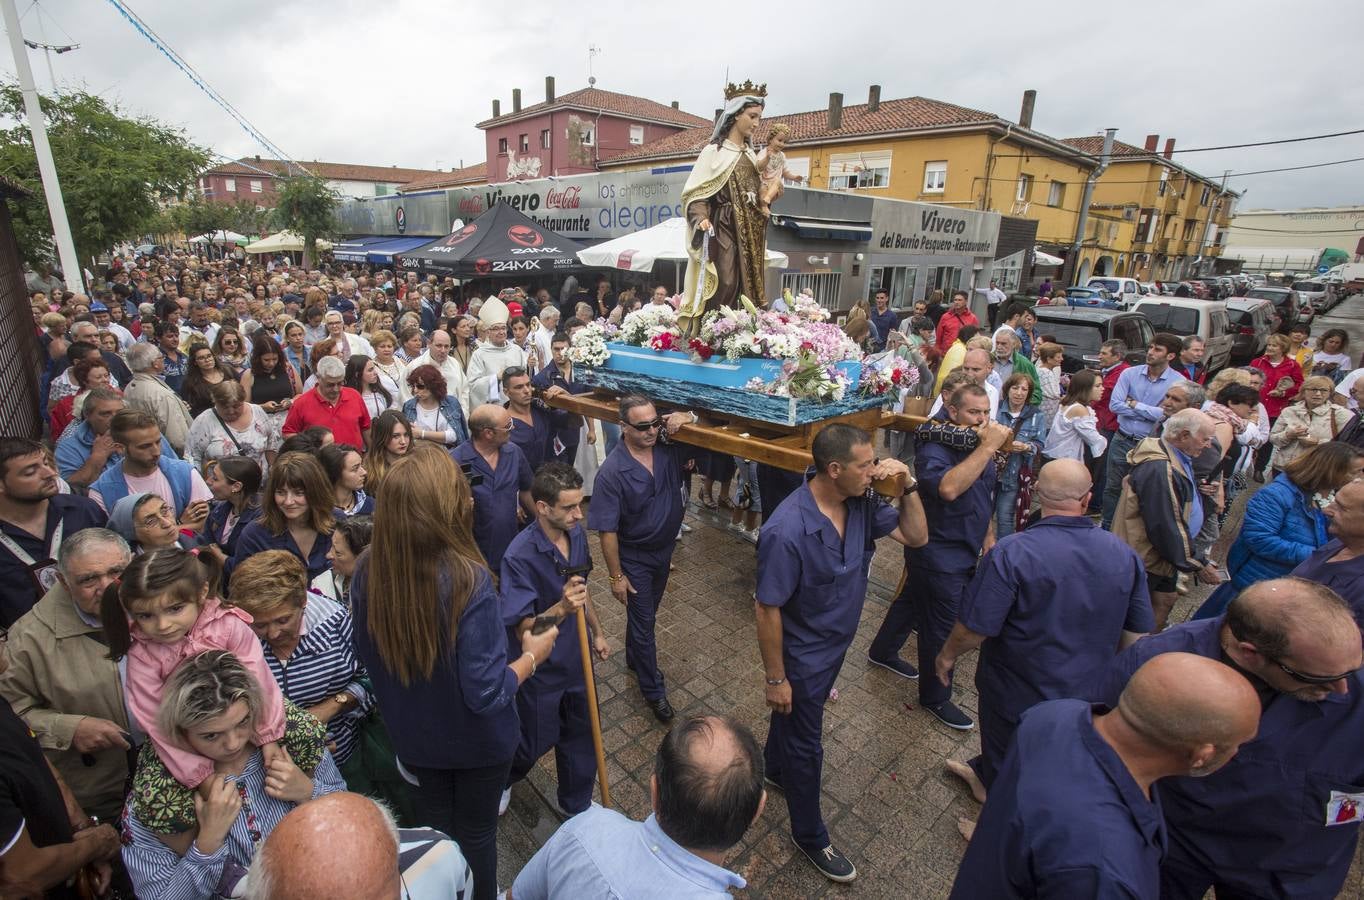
(590, 680)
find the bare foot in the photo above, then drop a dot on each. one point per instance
(968, 775)
(967, 827)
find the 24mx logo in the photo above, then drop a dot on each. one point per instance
(534, 250)
(511, 265)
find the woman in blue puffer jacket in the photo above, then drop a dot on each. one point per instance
(1283, 522)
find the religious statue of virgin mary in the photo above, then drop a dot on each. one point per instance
(726, 229)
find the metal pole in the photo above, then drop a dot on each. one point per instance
(52, 189)
(1082, 219)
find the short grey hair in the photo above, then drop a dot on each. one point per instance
(549, 312)
(1195, 391)
(202, 688)
(1187, 421)
(330, 367)
(82, 326)
(142, 357)
(86, 540)
(1115, 346)
(1191, 339)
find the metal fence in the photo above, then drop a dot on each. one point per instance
(20, 351)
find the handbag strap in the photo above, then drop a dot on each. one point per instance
(230, 436)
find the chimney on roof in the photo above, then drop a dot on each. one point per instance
(1152, 143)
(835, 111)
(1025, 114)
(674, 105)
(874, 98)
(497, 108)
(516, 100)
(549, 88)
(1169, 148)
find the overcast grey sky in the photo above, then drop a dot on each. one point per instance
(403, 82)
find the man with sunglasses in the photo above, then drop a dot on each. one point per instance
(502, 493)
(1282, 819)
(637, 508)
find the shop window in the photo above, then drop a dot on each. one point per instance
(897, 281)
(944, 278)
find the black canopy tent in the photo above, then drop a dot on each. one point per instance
(501, 242)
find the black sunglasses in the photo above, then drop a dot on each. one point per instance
(646, 426)
(1310, 679)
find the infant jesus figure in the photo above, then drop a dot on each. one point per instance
(772, 167)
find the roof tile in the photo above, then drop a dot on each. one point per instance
(253, 165)
(609, 101)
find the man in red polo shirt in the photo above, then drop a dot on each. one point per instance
(332, 406)
(952, 321)
(1112, 362)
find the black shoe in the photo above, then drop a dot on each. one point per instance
(662, 709)
(952, 717)
(831, 864)
(896, 665)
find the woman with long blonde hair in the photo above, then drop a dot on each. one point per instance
(429, 631)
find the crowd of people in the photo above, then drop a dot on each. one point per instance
(293, 590)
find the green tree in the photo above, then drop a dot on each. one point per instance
(306, 205)
(195, 215)
(245, 217)
(114, 170)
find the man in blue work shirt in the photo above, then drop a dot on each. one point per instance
(813, 558)
(1282, 819)
(706, 789)
(552, 703)
(1072, 813)
(637, 509)
(554, 380)
(34, 519)
(958, 490)
(884, 318)
(531, 419)
(502, 494)
(1048, 607)
(1135, 402)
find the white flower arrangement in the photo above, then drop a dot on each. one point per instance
(588, 347)
(646, 323)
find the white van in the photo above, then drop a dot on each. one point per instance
(1124, 290)
(1183, 316)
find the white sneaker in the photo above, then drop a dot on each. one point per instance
(686, 529)
(504, 802)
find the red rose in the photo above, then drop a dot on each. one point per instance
(701, 348)
(807, 346)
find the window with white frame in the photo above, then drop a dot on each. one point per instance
(1203, 199)
(544, 139)
(501, 145)
(859, 170)
(588, 134)
(800, 167)
(897, 281)
(1024, 188)
(636, 134)
(256, 186)
(1056, 194)
(824, 286)
(1164, 182)
(524, 143)
(935, 177)
(230, 185)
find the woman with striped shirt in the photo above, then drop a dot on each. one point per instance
(307, 642)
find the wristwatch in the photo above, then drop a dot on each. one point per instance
(911, 485)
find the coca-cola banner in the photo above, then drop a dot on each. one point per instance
(589, 208)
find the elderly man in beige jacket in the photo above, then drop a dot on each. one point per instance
(61, 681)
(148, 392)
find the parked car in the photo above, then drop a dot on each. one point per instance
(1148, 287)
(1255, 281)
(1285, 300)
(1125, 290)
(1250, 322)
(1228, 286)
(1213, 285)
(1096, 297)
(1312, 292)
(1183, 316)
(1082, 330)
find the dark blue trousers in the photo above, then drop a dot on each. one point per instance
(928, 603)
(648, 574)
(997, 722)
(557, 718)
(794, 754)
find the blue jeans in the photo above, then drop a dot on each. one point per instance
(1116, 470)
(612, 432)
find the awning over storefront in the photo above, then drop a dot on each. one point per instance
(354, 249)
(382, 253)
(825, 229)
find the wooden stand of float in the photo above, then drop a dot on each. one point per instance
(775, 445)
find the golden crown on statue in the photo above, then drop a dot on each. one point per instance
(747, 89)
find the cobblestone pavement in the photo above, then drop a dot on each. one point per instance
(888, 801)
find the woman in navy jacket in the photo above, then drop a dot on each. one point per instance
(1283, 522)
(429, 631)
(235, 482)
